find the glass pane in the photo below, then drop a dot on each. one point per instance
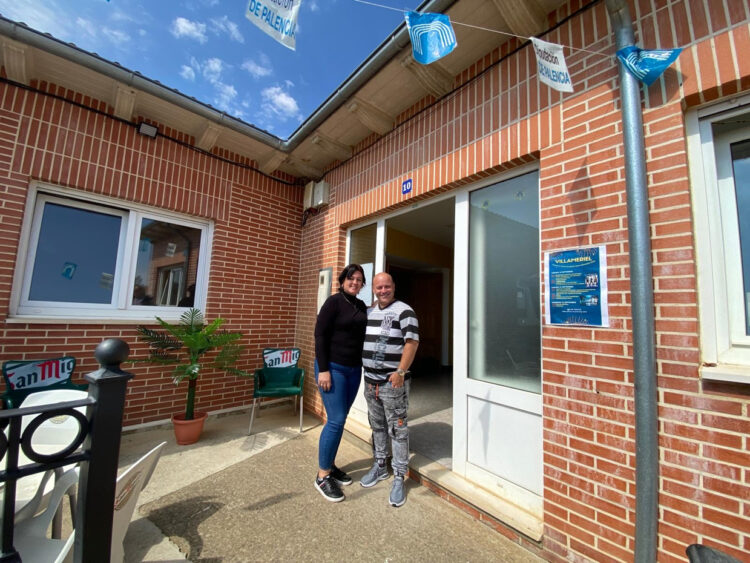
(76, 255)
(167, 264)
(504, 306)
(741, 167)
(362, 252)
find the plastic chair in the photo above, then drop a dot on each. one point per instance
(698, 553)
(129, 486)
(30, 536)
(279, 377)
(52, 436)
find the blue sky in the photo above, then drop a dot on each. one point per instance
(209, 50)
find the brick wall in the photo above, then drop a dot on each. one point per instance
(254, 269)
(501, 116)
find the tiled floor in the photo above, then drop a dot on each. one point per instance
(431, 417)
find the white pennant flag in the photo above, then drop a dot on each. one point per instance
(277, 18)
(551, 66)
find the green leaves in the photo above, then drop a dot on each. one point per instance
(186, 342)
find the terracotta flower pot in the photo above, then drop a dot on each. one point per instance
(188, 431)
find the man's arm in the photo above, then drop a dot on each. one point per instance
(407, 357)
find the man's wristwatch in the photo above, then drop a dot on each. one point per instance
(401, 372)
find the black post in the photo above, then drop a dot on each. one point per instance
(96, 493)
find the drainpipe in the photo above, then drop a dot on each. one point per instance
(642, 299)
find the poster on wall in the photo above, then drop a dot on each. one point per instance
(576, 287)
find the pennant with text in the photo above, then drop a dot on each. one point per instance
(431, 36)
(277, 18)
(551, 66)
(647, 65)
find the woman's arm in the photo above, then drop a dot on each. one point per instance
(324, 331)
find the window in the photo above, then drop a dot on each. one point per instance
(504, 298)
(102, 258)
(720, 169)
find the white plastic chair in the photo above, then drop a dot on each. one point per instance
(52, 436)
(30, 536)
(129, 486)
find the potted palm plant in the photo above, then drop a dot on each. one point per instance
(186, 344)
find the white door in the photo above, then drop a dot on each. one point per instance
(497, 403)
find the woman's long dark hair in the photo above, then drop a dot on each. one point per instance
(349, 271)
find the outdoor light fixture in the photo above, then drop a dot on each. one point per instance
(147, 129)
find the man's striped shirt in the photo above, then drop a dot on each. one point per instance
(387, 331)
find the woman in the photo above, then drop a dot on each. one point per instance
(339, 336)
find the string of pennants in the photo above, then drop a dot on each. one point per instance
(432, 38)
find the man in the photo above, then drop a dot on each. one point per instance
(391, 342)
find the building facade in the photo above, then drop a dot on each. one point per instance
(461, 196)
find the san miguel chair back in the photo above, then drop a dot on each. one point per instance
(279, 377)
(23, 377)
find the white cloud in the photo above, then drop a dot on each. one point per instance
(187, 73)
(279, 103)
(119, 38)
(225, 95)
(182, 27)
(258, 68)
(87, 27)
(313, 6)
(128, 17)
(212, 69)
(224, 26)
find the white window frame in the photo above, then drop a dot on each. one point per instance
(725, 348)
(121, 309)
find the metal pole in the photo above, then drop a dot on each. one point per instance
(642, 299)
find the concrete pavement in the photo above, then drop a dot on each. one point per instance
(221, 463)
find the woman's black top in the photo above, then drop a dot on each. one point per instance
(340, 331)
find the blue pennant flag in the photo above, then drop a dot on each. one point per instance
(647, 65)
(431, 36)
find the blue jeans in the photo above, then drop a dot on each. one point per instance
(337, 401)
(387, 411)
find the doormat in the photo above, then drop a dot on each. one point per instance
(266, 508)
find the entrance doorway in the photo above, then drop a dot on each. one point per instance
(469, 265)
(419, 257)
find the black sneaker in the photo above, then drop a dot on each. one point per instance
(329, 489)
(340, 476)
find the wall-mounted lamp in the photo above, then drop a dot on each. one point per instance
(147, 129)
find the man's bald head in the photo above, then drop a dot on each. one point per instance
(384, 289)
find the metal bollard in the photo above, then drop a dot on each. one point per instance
(96, 491)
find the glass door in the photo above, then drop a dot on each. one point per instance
(497, 422)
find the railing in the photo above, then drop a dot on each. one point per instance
(96, 449)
